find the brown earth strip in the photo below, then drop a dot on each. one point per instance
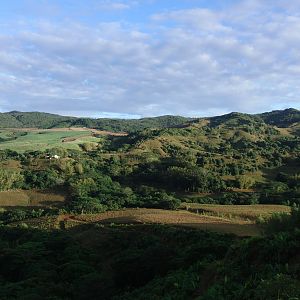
(92, 130)
(178, 218)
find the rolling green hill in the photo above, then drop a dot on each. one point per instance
(15, 119)
(281, 118)
(233, 135)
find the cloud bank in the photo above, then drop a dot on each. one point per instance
(195, 61)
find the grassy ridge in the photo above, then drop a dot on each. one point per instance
(32, 198)
(15, 119)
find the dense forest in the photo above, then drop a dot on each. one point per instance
(234, 159)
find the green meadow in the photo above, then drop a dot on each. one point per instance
(41, 140)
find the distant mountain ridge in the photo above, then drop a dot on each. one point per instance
(281, 118)
(17, 119)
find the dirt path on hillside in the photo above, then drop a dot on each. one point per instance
(73, 139)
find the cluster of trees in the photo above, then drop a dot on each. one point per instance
(282, 222)
(16, 215)
(98, 193)
(98, 182)
(233, 198)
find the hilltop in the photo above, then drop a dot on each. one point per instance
(16, 119)
(281, 118)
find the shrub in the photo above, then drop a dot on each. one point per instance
(87, 205)
(282, 222)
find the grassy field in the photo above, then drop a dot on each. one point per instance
(236, 219)
(149, 216)
(31, 198)
(243, 212)
(178, 218)
(30, 139)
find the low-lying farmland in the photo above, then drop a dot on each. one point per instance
(44, 139)
(31, 198)
(24, 139)
(150, 216)
(245, 212)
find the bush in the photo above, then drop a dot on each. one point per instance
(151, 198)
(282, 222)
(17, 215)
(202, 200)
(238, 198)
(87, 205)
(10, 179)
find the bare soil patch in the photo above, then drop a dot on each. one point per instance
(92, 130)
(31, 198)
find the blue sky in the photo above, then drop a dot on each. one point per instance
(132, 58)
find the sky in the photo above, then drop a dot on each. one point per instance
(133, 58)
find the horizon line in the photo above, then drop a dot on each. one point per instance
(141, 117)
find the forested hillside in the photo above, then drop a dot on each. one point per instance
(15, 119)
(282, 118)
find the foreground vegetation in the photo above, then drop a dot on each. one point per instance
(93, 260)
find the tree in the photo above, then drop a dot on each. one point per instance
(244, 182)
(10, 179)
(87, 205)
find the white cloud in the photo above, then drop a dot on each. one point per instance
(111, 5)
(245, 58)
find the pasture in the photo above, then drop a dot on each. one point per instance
(234, 219)
(31, 139)
(142, 216)
(243, 212)
(31, 198)
(175, 218)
